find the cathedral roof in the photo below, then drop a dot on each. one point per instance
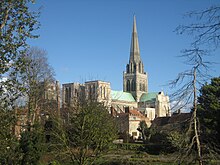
(148, 97)
(122, 96)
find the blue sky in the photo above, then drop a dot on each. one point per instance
(90, 39)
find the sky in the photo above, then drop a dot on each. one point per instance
(90, 39)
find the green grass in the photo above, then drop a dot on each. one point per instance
(125, 157)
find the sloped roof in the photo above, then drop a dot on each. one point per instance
(176, 122)
(160, 121)
(149, 97)
(180, 117)
(135, 112)
(122, 96)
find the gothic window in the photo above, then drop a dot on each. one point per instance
(76, 92)
(126, 109)
(140, 87)
(104, 93)
(133, 85)
(90, 91)
(140, 68)
(67, 95)
(93, 89)
(101, 91)
(131, 68)
(128, 85)
(127, 68)
(135, 68)
(143, 87)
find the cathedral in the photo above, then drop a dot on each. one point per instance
(135, 94)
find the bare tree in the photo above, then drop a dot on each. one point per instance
(36, 77)
(206, 29)
(206, 33)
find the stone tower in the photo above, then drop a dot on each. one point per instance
(135, 79)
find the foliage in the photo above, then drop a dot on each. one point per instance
(17, 24)
(85, 134)
(175, 139)
(159, 138)
(128, 146)
(32, 145)
(145, 131)
(9, 148)
(209, 115)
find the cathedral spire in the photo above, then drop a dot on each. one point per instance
(134, 50)
(135, 79)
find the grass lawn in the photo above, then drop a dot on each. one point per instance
(128, 157)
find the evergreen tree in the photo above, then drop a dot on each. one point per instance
(209, 114)
(32, 145)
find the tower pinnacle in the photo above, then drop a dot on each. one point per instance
(134, 50)
(135, 78)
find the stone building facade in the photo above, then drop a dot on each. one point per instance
(98, 91)
(129, 122)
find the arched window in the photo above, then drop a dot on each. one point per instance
(140, 87)
(90, 89)
(76, 93)
(143, 87)
(90, 92)
(127, 68)
(131, 68)
(128, 85)
(133, 85)
(93, 90)
(101, 91)
(67, 95)
(135, 67)
(140, 68)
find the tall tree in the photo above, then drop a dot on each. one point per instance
(206, 32)
(17, 24)
(36, 77)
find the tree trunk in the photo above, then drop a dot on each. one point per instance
(195, 118)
